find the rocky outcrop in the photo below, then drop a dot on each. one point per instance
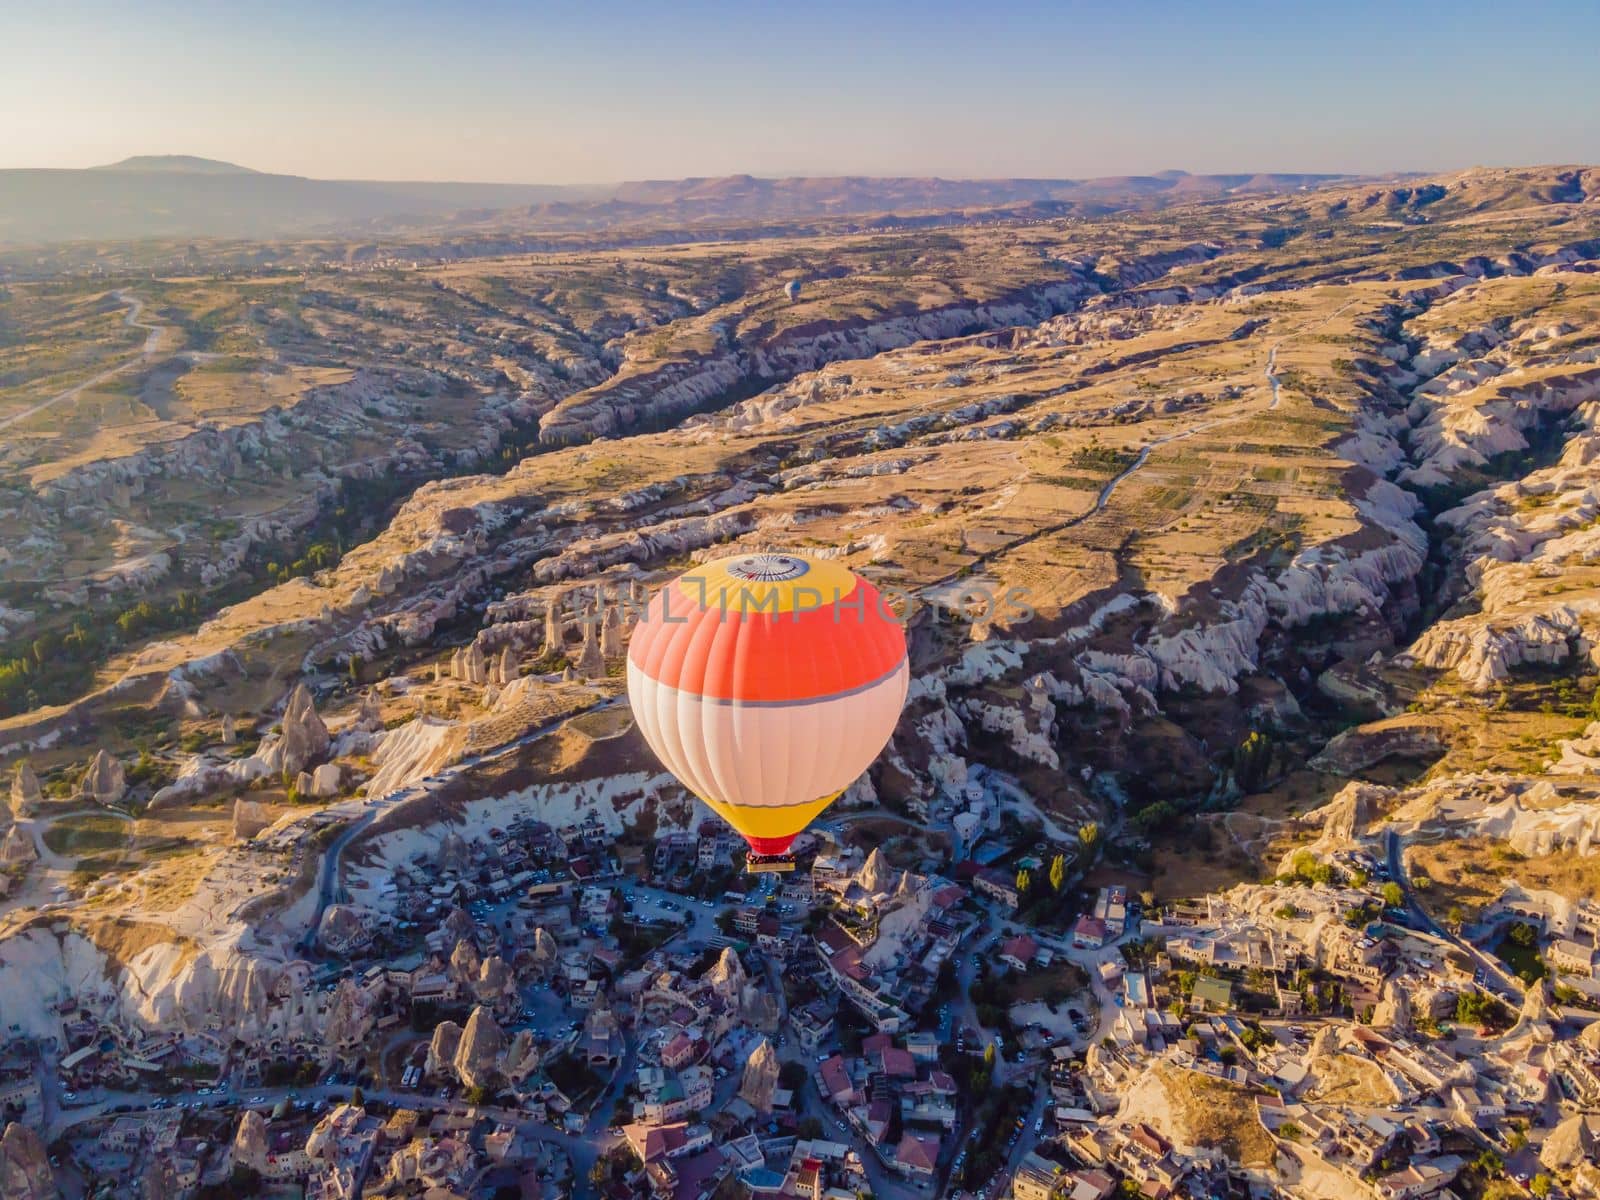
(465, 962)
(104, 781)
(876, 876)
(250, 817)
(555, 625)
(1589, 1039)
(591, 662)
(495, 986)
(545, 951)
(1571, 1144)
(17, 847)
(344, 928)
(726, 976)
(1355, 750)
(411, 752)
(351, 1015)
(457, 926)
(1484, 652)
(25, 1172)
(304, 738)
(320, 783)
(322, 1141)
(158, 1180)
(26, 795)
(477, 1060)
(453, 853)
(1534, 822)
(250, 1141)
(468, 666)
(1537, 1016)
(522, 1057)
(760, 1078)
(442, 1049)
(1392, 1013)
(1344, 821)
(369, 717)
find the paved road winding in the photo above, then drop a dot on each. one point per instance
(1495, 976)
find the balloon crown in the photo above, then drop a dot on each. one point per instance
(768, 568)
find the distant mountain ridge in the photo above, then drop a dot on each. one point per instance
(183, 163)
(183, 196)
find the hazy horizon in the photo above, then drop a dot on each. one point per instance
(493, 92)
(951, 176)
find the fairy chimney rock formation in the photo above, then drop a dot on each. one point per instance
(468, 665)
(25, 1165)
(591, 663)
(250, 1141)
(760, 1078)
(478, 1057)
(17, 847)
(1392, 1013)
(555, 630)
(25, 793)
(350, 1016)
(304, 736)
(103, 782)
(876, 875)
(544, 947)
(453, 854)
(726, 976)
(464, 962)
(442, 1048)
(611, 633)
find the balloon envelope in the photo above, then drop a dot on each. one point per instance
(767, 683)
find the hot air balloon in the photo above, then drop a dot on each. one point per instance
(792, 290)
(767, 683)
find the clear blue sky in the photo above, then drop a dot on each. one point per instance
(597, 92)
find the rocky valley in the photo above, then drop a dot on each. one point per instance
(1240, 540)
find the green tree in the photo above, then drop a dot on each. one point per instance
(1540, 1185)
(1455, 918)
(1155, 817)
(358, 1099)
(1252, 760)
(1392, 894)
(1477, 1008)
